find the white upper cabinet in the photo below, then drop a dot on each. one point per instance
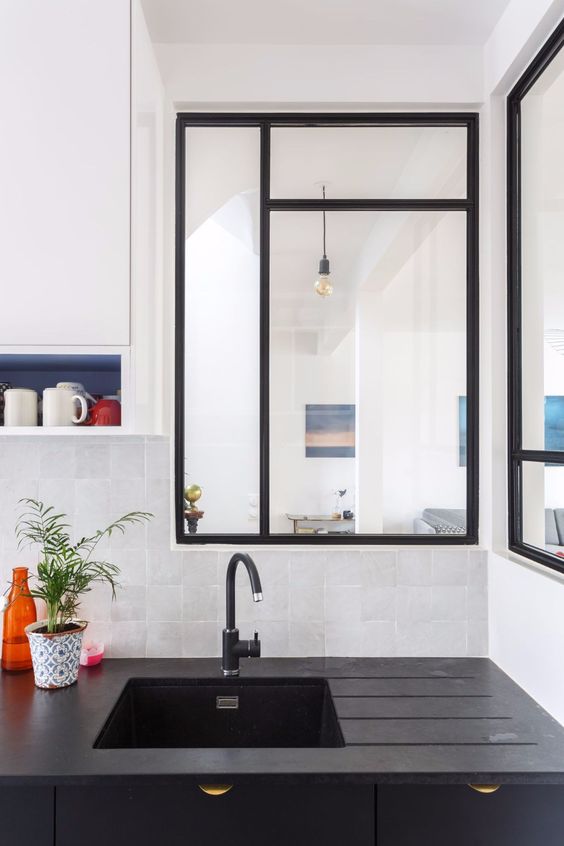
(64, 172)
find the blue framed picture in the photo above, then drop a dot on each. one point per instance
(462, 432)
(554, 423)
(330, 431)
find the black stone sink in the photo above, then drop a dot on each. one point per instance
(212, 713)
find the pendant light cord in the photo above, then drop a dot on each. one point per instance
(324, 228)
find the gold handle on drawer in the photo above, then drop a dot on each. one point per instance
(485, 788)
(215, 789)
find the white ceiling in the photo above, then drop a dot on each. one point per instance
(454, 22)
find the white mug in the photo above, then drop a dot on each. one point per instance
(59, 407)
(20, 407)
(76, 388)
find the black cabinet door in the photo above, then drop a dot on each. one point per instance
(516, 815)
(27, 816)
(246, 816)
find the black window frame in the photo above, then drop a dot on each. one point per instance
(265, 122)
(517, 455)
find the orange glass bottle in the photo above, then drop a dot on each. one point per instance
(19, 612)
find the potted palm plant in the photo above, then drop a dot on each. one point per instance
(66, 570)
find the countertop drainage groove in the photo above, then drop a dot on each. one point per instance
(412, 696)
(462, 743)
(399, 678)
(342, 719)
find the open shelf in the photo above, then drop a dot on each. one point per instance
(100, 373)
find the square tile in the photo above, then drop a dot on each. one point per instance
(413, 604)
(379, 603)
(128, 640)
(92, 496)
(200, 639)
(158, 458)
(92, 461)
(450, 567)
(415, 567)
(132, 565)
(378, 639)
(275, 639)
(164, 640)
(307, 568)
(307, 602)
(200, 603)
(127, 460)
(57, 459)
(130, 605)
(343, 639)
(200, 567)
(343, 603)
(448, 603)
(343, 568)
(164, 603)
(164, 567)
(307, 638)
(60, 493)
(478, 641)
(379, 568)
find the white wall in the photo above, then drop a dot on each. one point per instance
(527, 628)
(222, 367)
(300, 74)
(424, 374)
(300, 376)
(525, 601)
(148, 109)
(64, 172)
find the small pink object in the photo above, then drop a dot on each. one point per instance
(91, 654)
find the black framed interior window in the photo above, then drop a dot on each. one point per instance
(535, 173)
(326, 370)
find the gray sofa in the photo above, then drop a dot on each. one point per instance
(554, 529)
(441, 521)
(452, 521)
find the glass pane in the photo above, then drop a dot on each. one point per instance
(222, 326)
(542, 140)
(368, 385)
(368, 162)
(543, 506)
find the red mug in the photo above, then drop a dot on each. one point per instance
(106, 412)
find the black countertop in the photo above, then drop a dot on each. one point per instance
(425, 720)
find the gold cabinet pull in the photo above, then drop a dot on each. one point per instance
(215, 789)
(485, 788)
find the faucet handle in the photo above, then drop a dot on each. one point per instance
(254, 646)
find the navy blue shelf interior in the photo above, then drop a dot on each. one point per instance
(100, 374)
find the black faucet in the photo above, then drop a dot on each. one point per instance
(233, 648)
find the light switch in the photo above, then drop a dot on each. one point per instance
(253, 507)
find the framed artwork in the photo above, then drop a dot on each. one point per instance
(462, 432)
(553, 423)
(330, 431)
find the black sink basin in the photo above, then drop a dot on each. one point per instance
(200, 713)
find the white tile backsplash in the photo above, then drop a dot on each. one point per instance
(369, 601)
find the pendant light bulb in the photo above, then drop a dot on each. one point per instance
(323, 285)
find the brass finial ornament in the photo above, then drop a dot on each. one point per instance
(192, 514)
(192, 494)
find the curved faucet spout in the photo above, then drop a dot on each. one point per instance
(254, 578)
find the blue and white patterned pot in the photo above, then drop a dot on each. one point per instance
(55, 656)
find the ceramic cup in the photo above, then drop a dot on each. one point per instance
(20, 407)
(76, 388)
(59, 407)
